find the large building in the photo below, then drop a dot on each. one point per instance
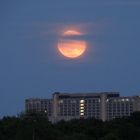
(66, 106)
(39, 105)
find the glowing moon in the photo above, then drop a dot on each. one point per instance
(71, 48)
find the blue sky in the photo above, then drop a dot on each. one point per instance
(31, 66)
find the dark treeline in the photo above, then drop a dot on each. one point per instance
(36, 127)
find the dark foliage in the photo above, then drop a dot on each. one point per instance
(37, 127)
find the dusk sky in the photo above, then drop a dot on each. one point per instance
(32, 66)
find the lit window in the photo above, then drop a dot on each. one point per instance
(81, 111)
(81, 104)
(81, 114)
(81, 107)
(81, 101)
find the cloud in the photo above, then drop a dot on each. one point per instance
(59, 29)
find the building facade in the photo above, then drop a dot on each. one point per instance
(66, 106)
(36, 105)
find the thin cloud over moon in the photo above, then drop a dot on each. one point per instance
(72, 33)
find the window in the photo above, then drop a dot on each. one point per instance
(81, 101)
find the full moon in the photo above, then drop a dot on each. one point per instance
(71, 48)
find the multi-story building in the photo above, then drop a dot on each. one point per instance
(66, 106)
(36, 105)
(81, 105)
(122, 106)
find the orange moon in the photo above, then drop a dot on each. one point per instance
(71, 48)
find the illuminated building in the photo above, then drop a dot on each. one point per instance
(66, 106)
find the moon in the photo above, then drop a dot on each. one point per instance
(71, 48)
